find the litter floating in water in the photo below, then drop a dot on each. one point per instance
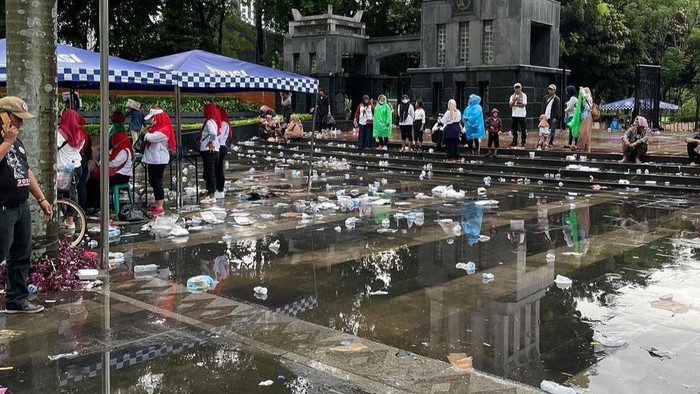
(63, 355)
(266, 383)
(378, 292)
(461, 361)
(487, 277)
(275, 246)
(200, 283)
(659, 353)
(260, 290)
(563, 282)
(608, 341)
(556, 388)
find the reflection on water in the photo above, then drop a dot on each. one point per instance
(402, 288)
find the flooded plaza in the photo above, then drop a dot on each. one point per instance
(379, 292)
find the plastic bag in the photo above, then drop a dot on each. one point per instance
(130, 213)
(201, 283)
(64, 180)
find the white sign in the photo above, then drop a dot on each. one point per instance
(224, 73)
(68, 58)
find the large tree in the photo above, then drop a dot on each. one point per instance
(31, 75)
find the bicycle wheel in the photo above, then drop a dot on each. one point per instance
(73, 235)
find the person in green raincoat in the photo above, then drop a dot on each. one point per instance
(381, 126)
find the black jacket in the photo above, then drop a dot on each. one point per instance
(556, 107)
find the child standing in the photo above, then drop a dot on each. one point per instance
(493, 127)
(544, 132)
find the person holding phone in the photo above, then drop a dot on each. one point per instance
(17, 181)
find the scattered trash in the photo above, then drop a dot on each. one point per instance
(275, 246)
(352, 347)
(280, 377)
(447, 192)
(266, 383)
(145, 271)
(178, 231)
(659, 353)
(670, 305)
(403, 353)
(666, 297)
(461, 361)
(201, 283)
(89, 285)
(345, 342)
(563, 282)
(378, 292)
(5, 369)
(32, 289)
(88, 274)
(484, 238)
(608, 341)
(550, 257)
(486, 202)
(63, 355)
(200, 364)
(556, 388)
(469, 267)
(487, 277)
(9, 334)
(260, 290)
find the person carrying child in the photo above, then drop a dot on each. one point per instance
(544, 132)
(493, 128)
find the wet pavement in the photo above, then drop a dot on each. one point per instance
(384, 277)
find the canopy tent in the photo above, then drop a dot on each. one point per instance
(81, 68)
(201, 71)
(204, 71)
(628, 104)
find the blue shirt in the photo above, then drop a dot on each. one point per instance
(136, 122)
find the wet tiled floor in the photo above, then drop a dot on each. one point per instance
(385, 277)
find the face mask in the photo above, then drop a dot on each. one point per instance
(404, 101)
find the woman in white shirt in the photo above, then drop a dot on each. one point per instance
(418, 124)
(160, 141)
(70, 141)
(209, 149)
(363, 118)
(452, 121)
(120, 167)
(223, 150)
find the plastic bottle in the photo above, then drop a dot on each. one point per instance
(32, 289)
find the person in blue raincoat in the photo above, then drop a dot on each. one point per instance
(472, 217)
(473, 120)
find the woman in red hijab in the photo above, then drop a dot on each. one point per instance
(209, 149)
(70, 141)
(160, 141)
(224, 134)
(120, 167)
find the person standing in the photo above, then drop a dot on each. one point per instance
(452, 121)
(473, 119)
(70, 141)
(286, 106)
(160, 141)
(551, 106)
(223, 150)
(418, 125)
(381, 125)
(17, 181)
(322, 109)
(569, 112)
(209, 149)
(586, 128)
(363, 118)
(493, 127)
(136, 118)
(406, 114)
(518, 105)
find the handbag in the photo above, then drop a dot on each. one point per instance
(140, 144)
(595, 112)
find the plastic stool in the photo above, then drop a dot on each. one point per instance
(115, 195)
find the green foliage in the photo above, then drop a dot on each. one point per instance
(188, 103)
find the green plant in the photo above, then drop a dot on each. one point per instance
(167, 102)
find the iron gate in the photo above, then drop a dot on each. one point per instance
(647, 93)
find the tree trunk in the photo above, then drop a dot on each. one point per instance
(260, 32)
(31, 75)
(222, 16)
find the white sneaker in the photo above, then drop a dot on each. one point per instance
(219, 195)
(208, 200)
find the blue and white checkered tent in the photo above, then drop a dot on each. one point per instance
(80, 68)
(204, 71)
(628, 104)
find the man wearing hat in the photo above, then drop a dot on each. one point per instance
(16, 182)
(551, 106)
(136, 118)
(518, 105)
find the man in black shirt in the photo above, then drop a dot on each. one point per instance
(16, 182)
(322, 109)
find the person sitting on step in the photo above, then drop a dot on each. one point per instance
(693, 144)
(635, 141)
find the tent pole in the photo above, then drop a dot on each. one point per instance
(178, 159)
(313, 133)
(104, 133)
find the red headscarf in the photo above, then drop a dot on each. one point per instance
(162, 124)
(224, 118)
(211, 112)
(70, 129)
(120, 142)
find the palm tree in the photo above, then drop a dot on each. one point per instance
(31, 75)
